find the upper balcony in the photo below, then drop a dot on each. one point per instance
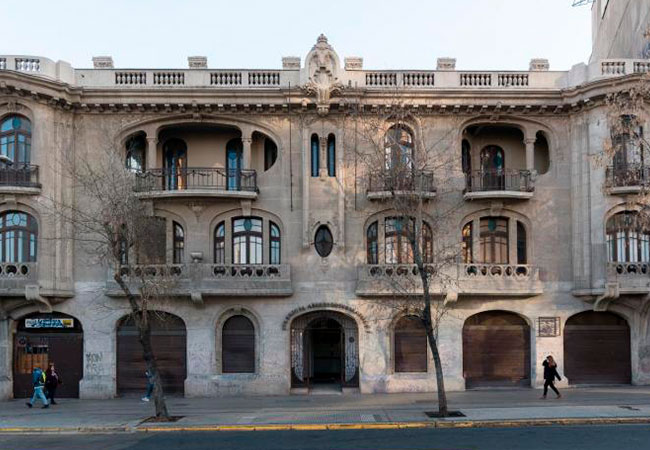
(627, 179)
(497, 280)
(197, 182)
(384, 186)
(199, 280)
(499, 183)
(19, 179)
(14, 277)
(631, 277)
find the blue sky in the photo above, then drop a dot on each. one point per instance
(398, 34)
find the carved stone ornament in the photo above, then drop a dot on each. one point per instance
(322, 66)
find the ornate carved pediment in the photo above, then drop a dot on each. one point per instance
(322, 65)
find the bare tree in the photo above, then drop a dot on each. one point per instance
(113, 226)
(406, 169)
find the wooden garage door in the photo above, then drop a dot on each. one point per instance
(410, 345)
(597, 349)
(496, 350)
(168, 339)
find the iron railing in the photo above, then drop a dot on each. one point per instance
(627, 175)
(173, 179)
(416, 181)
(23, 175)
(499, 180)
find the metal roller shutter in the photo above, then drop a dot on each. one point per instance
(410, 345)
(238, 345)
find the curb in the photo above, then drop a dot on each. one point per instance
(443, 424)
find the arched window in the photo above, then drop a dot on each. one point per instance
(494, 240)
(410, 345)
(179, 243)
(628, 238)
(270, 153)
(220, 243)
(331, 155)
(397, 234)
(247, 240)
(522, 257)
(18, 237)
(234, 156)
(399, 148)
(323, 241)
(372, 246)
(238, 345)
(274, 243)
(492, 168)
(135, 153)
(315, 155)
(175, 161)
(466, 157)
(16, 139)
(466, 244)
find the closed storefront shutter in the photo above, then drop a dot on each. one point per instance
(410, 345)
(238, 345)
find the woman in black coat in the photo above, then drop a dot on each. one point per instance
(52, 381)
(550, 374)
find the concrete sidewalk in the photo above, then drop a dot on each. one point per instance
(626, 404)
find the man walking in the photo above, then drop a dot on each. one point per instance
(38, 380)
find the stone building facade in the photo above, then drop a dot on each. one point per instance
(271, 228)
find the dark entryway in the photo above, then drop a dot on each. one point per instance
(169, 341)
(496, 350)
(42, 339)
(597, 349)
(324, 345)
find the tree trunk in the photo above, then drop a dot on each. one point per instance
(144, 336)
(443, 409)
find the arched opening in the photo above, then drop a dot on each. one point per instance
(169, 343)
(18, 240)
(496, 350)
(238, 345)
(136, 150)
(597, 349)
(324, 350)
(234, 156)
(628, 241)
(270, 153)
(44, 338)
(16, 140)
(492, 168)
(179, 243)
(410, 345)
(542, 160)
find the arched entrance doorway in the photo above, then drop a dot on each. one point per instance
(324, 350)
(496, 350)
(169, 342)
(597, 349)
(42, 339)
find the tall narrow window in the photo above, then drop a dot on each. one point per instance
(247, 240)
(427, 243)
(492, 169)
(410, 345)
(18, 237)
(494, 240)
(234, 155)
(16, 139)
(397, 234)
(372, 246)
(466, 244)
(270, 153)
(238, 345)
(628, 238)
(331, 155)
(274, 243)
(135, 153)
(521, 244)
(315, 155)
(220, 244)
(179, 243)
(466, 157)
(175, 160)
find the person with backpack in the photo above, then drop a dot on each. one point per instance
(38, 381)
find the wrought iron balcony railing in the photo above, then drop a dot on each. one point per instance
(20, 175)
(200, 178)
(417, 181)
(499, 180)
(627, 175)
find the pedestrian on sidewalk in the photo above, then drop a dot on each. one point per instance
(52, 381)
(38, 381)
(147, 396)
(550, 374)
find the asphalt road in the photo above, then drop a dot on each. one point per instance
(557, 438)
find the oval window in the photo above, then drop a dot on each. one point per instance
(323, 241)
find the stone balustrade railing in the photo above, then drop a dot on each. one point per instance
(295, 77)
(247, 271)
(18, 271)
(631, 269)
(481, 271)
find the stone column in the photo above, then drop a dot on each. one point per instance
(5, 359)
(99, 373)
(322, 169)
(201, 363)
(306, 177)
(152, 152)
(530, 153)
(246, 144)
